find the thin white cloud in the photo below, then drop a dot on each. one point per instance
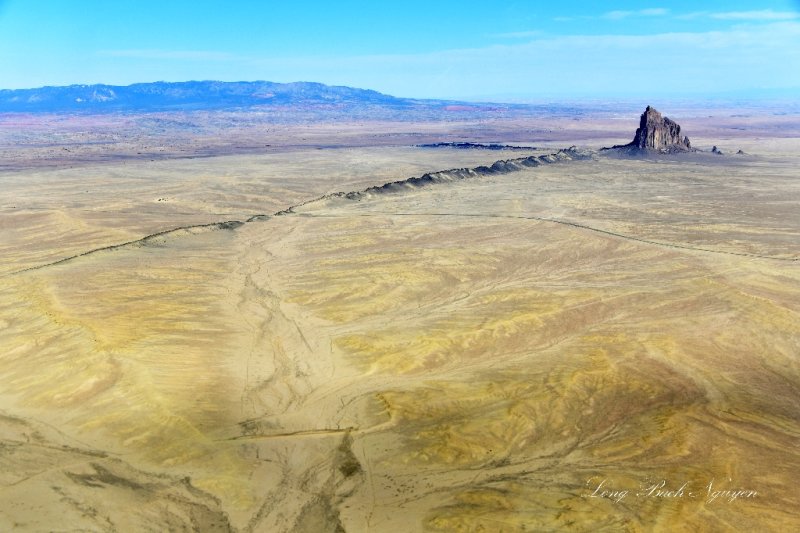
(764, 14)
(740, 58)
(654, 12)
(651, 12)
(617, 15)
(181, 55)
(693, 15)
(518, 34)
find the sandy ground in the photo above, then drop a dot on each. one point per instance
(49, 214)
(602, 345)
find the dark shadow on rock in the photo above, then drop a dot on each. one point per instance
(655, 134)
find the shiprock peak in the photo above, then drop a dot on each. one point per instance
(657, 133)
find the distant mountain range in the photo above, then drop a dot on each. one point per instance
(315, 99)
(192, 95)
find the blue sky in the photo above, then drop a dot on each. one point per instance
(512, 50)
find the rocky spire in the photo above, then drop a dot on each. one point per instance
(659, 133)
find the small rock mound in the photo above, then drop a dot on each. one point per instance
(657, 133)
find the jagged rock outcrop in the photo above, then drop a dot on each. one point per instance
(657, 133)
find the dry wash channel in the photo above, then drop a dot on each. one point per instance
(489, 354)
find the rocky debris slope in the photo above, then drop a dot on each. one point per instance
(656, 133)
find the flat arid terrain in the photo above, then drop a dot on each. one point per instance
(199, 333)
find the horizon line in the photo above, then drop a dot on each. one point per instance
(773, 93)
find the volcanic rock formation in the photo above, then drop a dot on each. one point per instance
(657, 133)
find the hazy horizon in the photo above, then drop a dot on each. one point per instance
(518, 51)
(507, 98)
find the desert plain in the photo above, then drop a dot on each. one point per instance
(199, 335)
